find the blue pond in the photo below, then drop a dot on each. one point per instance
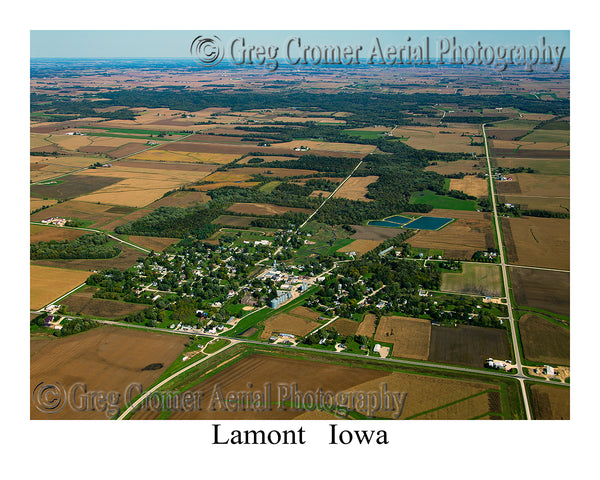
(428, 223)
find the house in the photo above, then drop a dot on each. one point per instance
(376, 348)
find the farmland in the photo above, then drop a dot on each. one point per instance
(105, 359)
(47, 283)
(360, 246)
(544, 341)
(82, 302)
(344, 326)
(537, 242)
(440, 139)
(367, 326)
(39, 233)
(288, 323)
(471, 185)
(471, 166)
(410, 336)
(468, 345)
(355, 188)
(479, 279)
(123, 261)
(546, 290)
(262, 209)
(550, 402)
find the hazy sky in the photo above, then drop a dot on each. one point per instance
(167, 43)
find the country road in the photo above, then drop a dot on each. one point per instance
(511, 319)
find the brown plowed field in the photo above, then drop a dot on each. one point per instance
(471, 185)
(472, 231)
(367, 326)
(47, 284)
(180, 199)
(158, 244)
(544, 341)
(73, 186)
(360, 246)
(287, 323)
(188, 167)
(410, 336)
(123, 261)
(468, 345)
(260, 370)
(263, 209)
(83, 302)
(104, 359)
(37, 233)
(127, 149)
(550, 402)
(537, 242)
(541, 289)
(537, 185)
(502, 134)
(355, 188)
(233, 221)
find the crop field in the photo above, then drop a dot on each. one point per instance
(47, 283)
(156, 155)
(73, 186)
(469, 233)
(468, 345)
(38, 140)
(35, 203)
(127, 258)
(410, 336)
(343, 326)
(545, 136)
(271, 172)
(536, 185)
(81, 302)
(505, 133)
(135, 187)
(355, 188)
(305, 312)
(537, 242)
(552, 204)
(158, 244)
(214, 186)
(265, 369)
(262, 209)
(228, 176)
(71, 209)
(471, 185)
(550, 402)
(328, 146)
(360, 246)
(267, 158)
(470, 166)
(542, 289)
(288, 323)
(39, 233)
(544, 341)
(431, 138)
(434, 397)
(121, 220)
(367, 326)
(105, 359)
(183, 198)
(442, 201)
(475, 278)
(43, 168)
(544, 166)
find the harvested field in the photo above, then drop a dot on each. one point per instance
(542, 289)
(267, 158)
(544, 341)
(233, 221)
(35, 203)
(343, 326)
(432, 138)
(265, 369)
(505, 133)
(38, 140)
(367, 326)
(471, 185)
(110, 226)
(47, 284)
(38, 233)
(269, 172)
(410, 336)
(360, 246)
(468, 408)
(552, 204)
(158, 244)
(366, 232)
(105, 359)
(73, 186)
(550, 402)
(82, 302)
(469, 233)
(305, 312)
(355, 188)
(75, 209)
(127, 258)
(263, 209)
(214, 186)
(328, 146)
(468, 345)
(537, 242)
(182, 198)
(536, 185)
(126, 150)
(287, 323)
(156, 155)
(475, 279)
(426, 393)
(69, 142)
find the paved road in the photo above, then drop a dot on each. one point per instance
(332, 194)
(511, 319)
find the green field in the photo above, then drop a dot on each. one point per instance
(542, 166)
(136, 131)
(364, 133)
(514, 124)
(442, 201)
(540, 135)
(269, 187)
(475, 278)
(215, 345)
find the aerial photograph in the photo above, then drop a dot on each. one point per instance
(300, 225)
